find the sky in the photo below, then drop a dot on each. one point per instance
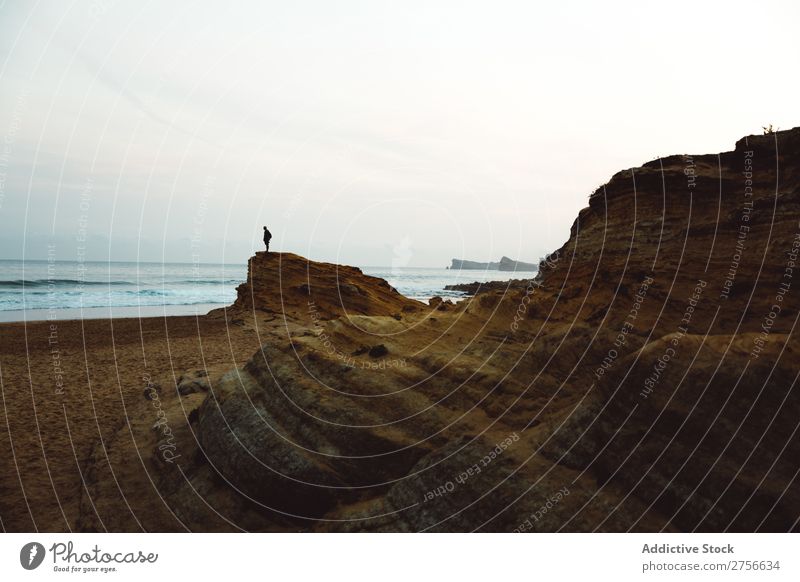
(367, 133)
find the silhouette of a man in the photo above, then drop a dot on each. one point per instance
(267, 237)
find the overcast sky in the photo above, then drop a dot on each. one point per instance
(367, 133)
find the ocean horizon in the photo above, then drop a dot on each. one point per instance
(35, 290)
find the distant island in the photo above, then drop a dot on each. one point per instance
(505, 264)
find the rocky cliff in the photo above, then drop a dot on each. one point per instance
(645, 380)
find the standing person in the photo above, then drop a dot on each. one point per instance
(267, 237)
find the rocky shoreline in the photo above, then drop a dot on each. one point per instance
(645, 380)
(469, 289)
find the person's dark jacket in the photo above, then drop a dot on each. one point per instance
(267, 236)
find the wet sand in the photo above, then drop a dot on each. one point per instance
(37, 315)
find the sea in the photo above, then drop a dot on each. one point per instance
(61, 290)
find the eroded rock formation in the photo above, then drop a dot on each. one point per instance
(645, 381)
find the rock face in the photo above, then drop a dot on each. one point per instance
(645, 380)
(505, 264)
(478, 286)
(290, 285)
(687, 266)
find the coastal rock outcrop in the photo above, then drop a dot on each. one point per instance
(645, 380)
(290, 285)
(478, 286)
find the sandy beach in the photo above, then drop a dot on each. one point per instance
(74, 399)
